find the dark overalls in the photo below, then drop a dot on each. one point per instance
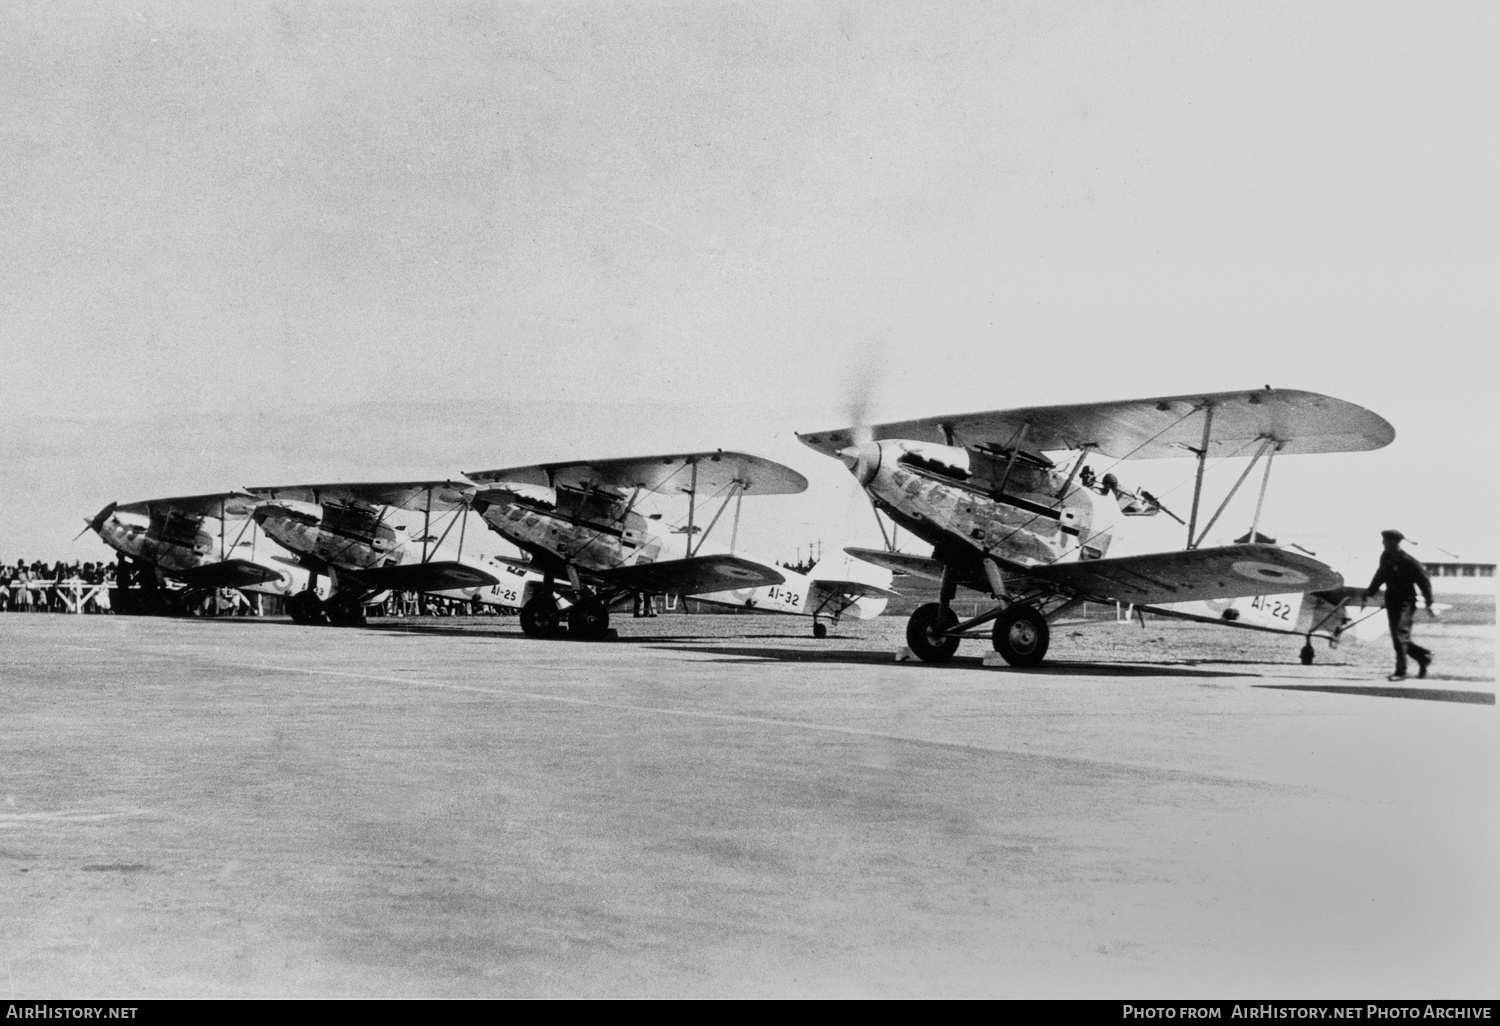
(1402, 575)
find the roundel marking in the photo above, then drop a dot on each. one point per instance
(1269, 572)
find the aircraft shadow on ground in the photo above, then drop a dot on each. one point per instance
(270, 621)
(514, 634)
(865, 657)
(1380, 691)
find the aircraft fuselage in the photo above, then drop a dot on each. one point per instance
(969, 504)
(172, 542)
(589, 530)
(345, 537)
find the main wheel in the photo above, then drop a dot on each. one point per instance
(925, 633)
(820, 630)
(305, 607)
(346, 612)
(164, 602)
(588, 619)
(1021, 635)
(1306, 655)
(539, 618)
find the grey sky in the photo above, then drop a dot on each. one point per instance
(225, 224)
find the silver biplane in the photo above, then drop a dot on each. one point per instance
(201, 541)
(347, 533)
(1005, 519)
(580, 523)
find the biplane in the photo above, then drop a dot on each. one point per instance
(348, 533)
(202, 541)
(581, 523)
(1322, 615)
(1005, 518)
(831, 588)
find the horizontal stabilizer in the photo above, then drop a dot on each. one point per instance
(1232, 571)
(438, 575)
(855, 589)
(695, 575)
(901, 562)
(229, 573)
(1349, 597)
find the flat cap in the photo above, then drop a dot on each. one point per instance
(1393, 534)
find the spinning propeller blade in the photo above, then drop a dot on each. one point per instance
(97, 521)
(861, 397)
(859, 401)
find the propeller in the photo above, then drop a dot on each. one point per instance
(859, 399)
(98, 520)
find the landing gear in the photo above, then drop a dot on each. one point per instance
(1021, 635)
(926, 633)
(1306, 655)
(540, 618)
(346, 611)
(305, 607)
(588, 619)
(820, 630)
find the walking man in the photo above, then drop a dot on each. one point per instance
(1402, 575)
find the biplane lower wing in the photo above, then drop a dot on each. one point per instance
(437, 575)
(692, 576)
(229, 573)
(1231, 571)
(901, 562)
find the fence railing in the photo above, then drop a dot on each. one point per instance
(73, 594)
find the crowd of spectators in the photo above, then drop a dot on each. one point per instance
(39, 588)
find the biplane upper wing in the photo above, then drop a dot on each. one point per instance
(437, 496)
(437, 575)
(1231, 571)
(901, 562)
(695, 575)
(233, 504)
(1303, 422)
(229, 573)
(709, 472)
